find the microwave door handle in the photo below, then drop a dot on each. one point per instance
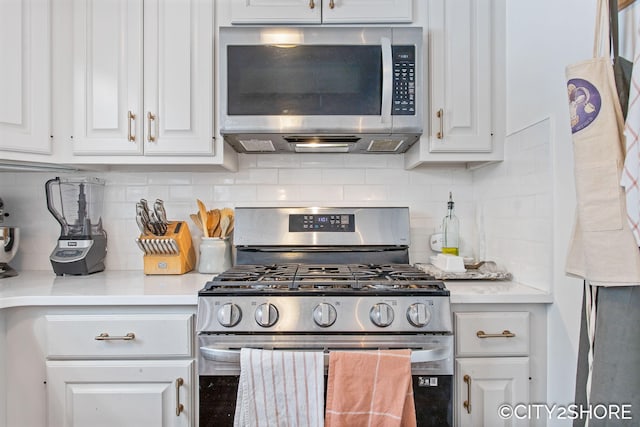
(387, 80)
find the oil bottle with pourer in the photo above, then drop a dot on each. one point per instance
(450, 230)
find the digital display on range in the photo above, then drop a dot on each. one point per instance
(322, 222)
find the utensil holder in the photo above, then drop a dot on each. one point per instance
(215, 255)
(171, 253)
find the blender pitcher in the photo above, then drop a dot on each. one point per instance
(76, 203)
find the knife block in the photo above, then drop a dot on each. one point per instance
(164, 263)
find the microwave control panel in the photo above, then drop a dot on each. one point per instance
(322, 222)
(404, 80)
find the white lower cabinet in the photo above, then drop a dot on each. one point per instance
(484, 384)
(120, 370)
(500, 363)
(129, 393)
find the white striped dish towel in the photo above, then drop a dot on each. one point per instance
(631, 172)
(280, 388)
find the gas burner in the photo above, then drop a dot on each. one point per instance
(333, 278)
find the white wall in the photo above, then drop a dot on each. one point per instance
(544, 37)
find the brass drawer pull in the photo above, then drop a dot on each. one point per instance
(467, 403)
(505, 334)
(150, 119)
(332, 4)
(440, 115)
(311, 4)
(179, 406)
(131, 117)
(106, 337)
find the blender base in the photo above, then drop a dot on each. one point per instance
(7, 271)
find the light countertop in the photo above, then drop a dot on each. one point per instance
(44, 288)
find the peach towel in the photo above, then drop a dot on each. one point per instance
(370, 388)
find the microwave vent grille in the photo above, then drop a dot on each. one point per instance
(257, 145)
(385, 145)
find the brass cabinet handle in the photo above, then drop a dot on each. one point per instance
(312, 4)
(106, 337)
(440, 115)
(150, 118)
(331, 4)
(131, 117)
(179, 406)
(467, 403)
(504, 334)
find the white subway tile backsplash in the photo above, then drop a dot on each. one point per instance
(234, 193)
(368, 193)
(297, 176)
(508, 204)
(343, 176)
(514, 198)
(278, 193)
(391, 177)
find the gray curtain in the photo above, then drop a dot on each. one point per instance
(616, 365)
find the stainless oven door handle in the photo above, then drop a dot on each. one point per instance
(417, 356)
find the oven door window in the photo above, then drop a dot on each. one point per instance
(304, 80)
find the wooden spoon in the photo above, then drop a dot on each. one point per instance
(214, 221)
(224, 225)
(196, 220)
(202, 210)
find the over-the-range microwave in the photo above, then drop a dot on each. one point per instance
(321, 89)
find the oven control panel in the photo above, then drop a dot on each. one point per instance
(376, 314)
(321, 222)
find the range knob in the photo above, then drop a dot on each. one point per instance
(418, 314)
(381, 314)
(324, 314)
(266, 315)
(229, 315)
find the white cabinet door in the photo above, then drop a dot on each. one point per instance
(107, 77)
(25, 76)
(320, 11)
(120, 393)
(178, 77)
(484, 384)
(143, 77)
(366, 11)
(276, 11)
(461, 75)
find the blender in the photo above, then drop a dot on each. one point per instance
(9, 237)
(76, 203)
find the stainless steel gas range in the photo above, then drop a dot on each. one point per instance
(323, 279)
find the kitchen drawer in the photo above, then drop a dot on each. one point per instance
(151, 335)
(492, 334)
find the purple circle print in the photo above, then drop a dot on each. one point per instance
(584, 103)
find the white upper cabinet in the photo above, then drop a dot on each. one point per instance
(143, 77)
(25, 76)
(460, 77)
(320, 11)
(466, 75)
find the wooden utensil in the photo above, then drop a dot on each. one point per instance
(224, 225)
(214, 222)
(196, 220)
(202, 210)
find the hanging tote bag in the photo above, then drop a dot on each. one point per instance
(603, 250)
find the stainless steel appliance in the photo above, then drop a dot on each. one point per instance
(321, 89)
(324, 279)
(76, 203)
(9, 239)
